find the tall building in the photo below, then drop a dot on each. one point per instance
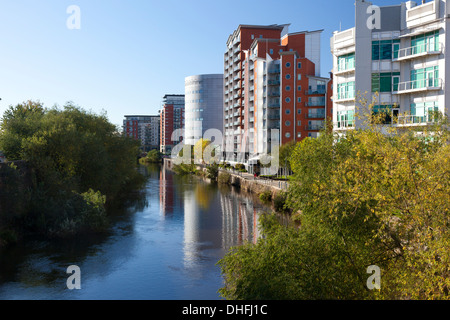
(204, 105)
(171, 121)
(398, 52)
(272, 82)
(143, 128)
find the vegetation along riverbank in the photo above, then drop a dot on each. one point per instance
(73, 163)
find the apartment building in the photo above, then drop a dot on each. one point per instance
(204, 105)
(397, 52)
(273, 89)
(144, 128)
(171, 119)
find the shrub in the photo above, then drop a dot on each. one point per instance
(279, 202)
(266, 196)
(224, 178)
(212, 172)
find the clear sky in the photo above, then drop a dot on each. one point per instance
(128, 54)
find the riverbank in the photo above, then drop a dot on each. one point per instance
(245, 181)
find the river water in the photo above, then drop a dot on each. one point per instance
(162, 245)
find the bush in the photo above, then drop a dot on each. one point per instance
(224, 178)
(279, 202)
(212, 172)
(266, 196)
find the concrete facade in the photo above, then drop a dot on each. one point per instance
(203, 105)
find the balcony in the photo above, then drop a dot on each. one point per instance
(411, 120)
(315, 103)
(346, 68)
(273, 82)
(431, 84)
(314, 127)
(274, 94)
(345, 98)
(274, 116)
(426, 49)
(274, 105)
(315, 91)
(344, 124)
(316, 115)
(273, 70)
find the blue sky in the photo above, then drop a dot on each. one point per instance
(129, 54)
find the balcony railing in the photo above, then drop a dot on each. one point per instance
(274, 94)
(315, 91)
(418, 51)
(347, 67)
(315, 103)
(344, 124)
(418, 85)
(316, 115)
(314, 127)
(411, 120)
(274, 116)
(274, 105)
(273, 82)
(274, 70)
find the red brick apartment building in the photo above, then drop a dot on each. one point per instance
(272, 82)
(171, 119)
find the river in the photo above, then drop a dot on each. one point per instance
(162, 245)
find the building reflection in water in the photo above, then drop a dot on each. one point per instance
(215, 218)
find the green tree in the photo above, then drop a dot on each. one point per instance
(71, 153)
(365, 198)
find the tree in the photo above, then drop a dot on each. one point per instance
(365, 198)
(73, 154)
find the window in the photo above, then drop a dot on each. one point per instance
(288, 64)
(345, 118)
(384, 113)
(425, 77)
(287, 135)
(384, 50)
(299, 88)
(423, 112)
(299, 123)
(271, 51)
(299, 134)
(385, 82)
(425, 42)
(288, 100)
(299, 111)
(299, 77)
(288, 76)
(288, 111)
(346, 62)
(299, 99)
(287, 123)
(299, 65)
(346, 90)
(253, 36)
(288, 88)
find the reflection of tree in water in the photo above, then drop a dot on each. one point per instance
(204, 194)
(39, 262)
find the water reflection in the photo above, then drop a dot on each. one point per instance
(164, 243)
